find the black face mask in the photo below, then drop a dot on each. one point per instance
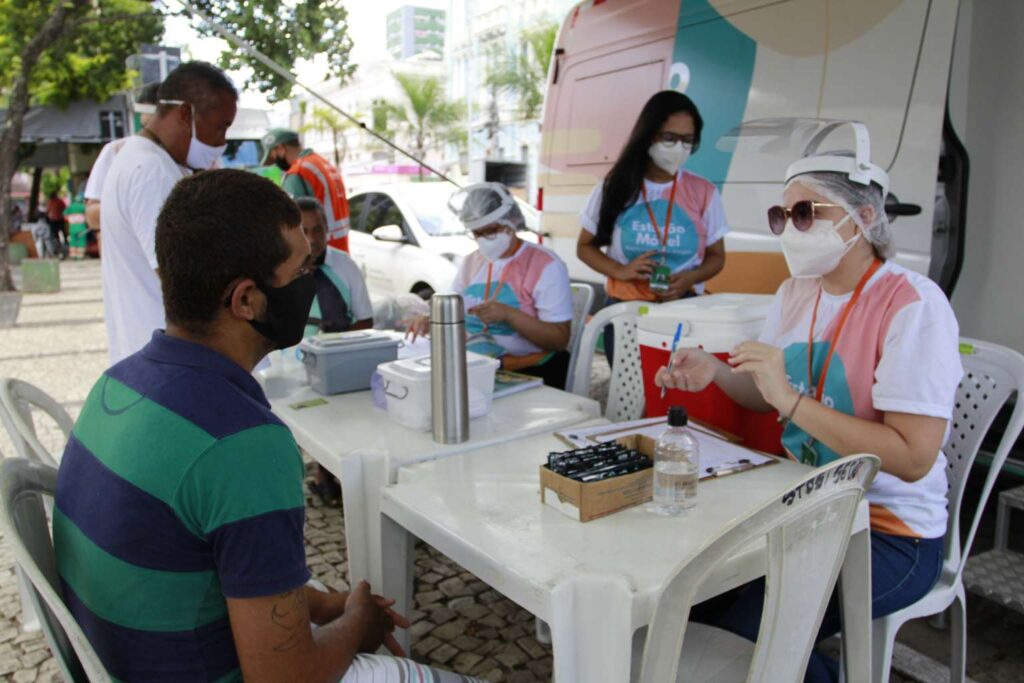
(287, 311)
(321, 259)
(282, 164)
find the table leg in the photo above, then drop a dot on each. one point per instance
(363, 475)
(855, 607)
(591, 627)
(397, 554)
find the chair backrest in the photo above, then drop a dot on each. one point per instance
(582, 302)
(17, 399)
(626, 387)
(23, 483)
(992, 374)
(807, 528)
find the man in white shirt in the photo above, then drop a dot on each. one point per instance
(145, 107)
(197, 104)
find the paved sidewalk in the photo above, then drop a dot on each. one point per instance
(459, 622)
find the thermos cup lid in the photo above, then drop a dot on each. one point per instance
(447, 309)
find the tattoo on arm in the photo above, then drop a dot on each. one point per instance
(287, 614)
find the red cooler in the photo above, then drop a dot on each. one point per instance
(715, 323)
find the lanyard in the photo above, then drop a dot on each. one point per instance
(497, 289)
(668, 214)
(839, 330)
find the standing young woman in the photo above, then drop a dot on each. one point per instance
(653, 229)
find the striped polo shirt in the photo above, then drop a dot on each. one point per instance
(178, 487)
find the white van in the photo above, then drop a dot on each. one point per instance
(769, 77)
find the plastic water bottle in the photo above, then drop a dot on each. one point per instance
(676, 467)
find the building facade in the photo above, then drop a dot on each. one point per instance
(414, 30)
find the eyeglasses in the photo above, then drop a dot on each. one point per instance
(670, 138)
(802, 214)
(486, 232)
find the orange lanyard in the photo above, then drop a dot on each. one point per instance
(668, 214)
(839, 330)
(497, 289)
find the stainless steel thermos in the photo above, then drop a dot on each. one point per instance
(449, 393)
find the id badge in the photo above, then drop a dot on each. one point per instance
(660, 278)
(808, 455)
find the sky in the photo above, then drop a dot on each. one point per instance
(366, 26)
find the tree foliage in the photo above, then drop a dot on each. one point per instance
(526, 73)
(285, 32)
(329, 121)
(425, 115)
(87, 61)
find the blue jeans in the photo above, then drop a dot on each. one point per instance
(903, 570)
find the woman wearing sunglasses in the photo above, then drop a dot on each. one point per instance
(654, 230)
(858, 355)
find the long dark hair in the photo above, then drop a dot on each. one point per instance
(622, 184)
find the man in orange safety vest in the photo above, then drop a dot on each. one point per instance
(307, 174)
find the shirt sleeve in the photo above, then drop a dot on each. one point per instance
(714, 218)
(920, 367)
(348, 270)
(553, 293)
(147, 190)
(244, 496)
(592, 210)
(294, 185)
(94, 186)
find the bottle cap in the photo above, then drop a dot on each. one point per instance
(677, 416)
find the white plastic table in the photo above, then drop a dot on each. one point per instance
(594, 583)
(364, 448)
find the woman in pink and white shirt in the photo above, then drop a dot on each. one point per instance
(858, 355)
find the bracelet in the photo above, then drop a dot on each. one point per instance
(789, 418)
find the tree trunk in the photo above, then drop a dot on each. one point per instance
(37, 183)
(337, 157)
(17, 107)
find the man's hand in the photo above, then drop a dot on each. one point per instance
(491, 312)
(639, 268)
(767, 365)
(374, 615)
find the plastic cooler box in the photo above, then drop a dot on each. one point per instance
(344, 361)
(407, 388)
(715, 323)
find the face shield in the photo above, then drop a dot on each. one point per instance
(484, 204)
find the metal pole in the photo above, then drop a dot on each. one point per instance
(287, 75)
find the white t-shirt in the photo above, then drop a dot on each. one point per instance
(141, 176)
(100, 169)
(898, 352)
(348, 270)
(698, 221)
(533, 280)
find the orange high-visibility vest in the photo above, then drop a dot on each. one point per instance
(329, 190)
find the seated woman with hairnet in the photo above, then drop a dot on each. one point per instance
(517, 294)
(858, 355)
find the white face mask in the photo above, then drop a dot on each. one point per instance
(818, 250)
(494, 246)
(202, 156)
(669, 157)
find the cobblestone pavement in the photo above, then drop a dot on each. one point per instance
(459, 623)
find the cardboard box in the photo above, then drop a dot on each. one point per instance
(584, 502)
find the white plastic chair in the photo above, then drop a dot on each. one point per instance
(992, 373)
(17, 399)
(626, 387)
(582, 302)
(807, 529)
(23, 483)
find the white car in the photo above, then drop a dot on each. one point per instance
(405, 239)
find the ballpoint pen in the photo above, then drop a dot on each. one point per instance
(672, 354)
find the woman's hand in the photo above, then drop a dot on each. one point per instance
(678, 285)
(767, 365)
(491, 312)
(692, 370)
(417, 327)
(639, 268)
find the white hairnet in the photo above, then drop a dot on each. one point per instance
(839, 189)
(485, 204)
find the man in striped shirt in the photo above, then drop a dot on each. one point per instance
(179, 515)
